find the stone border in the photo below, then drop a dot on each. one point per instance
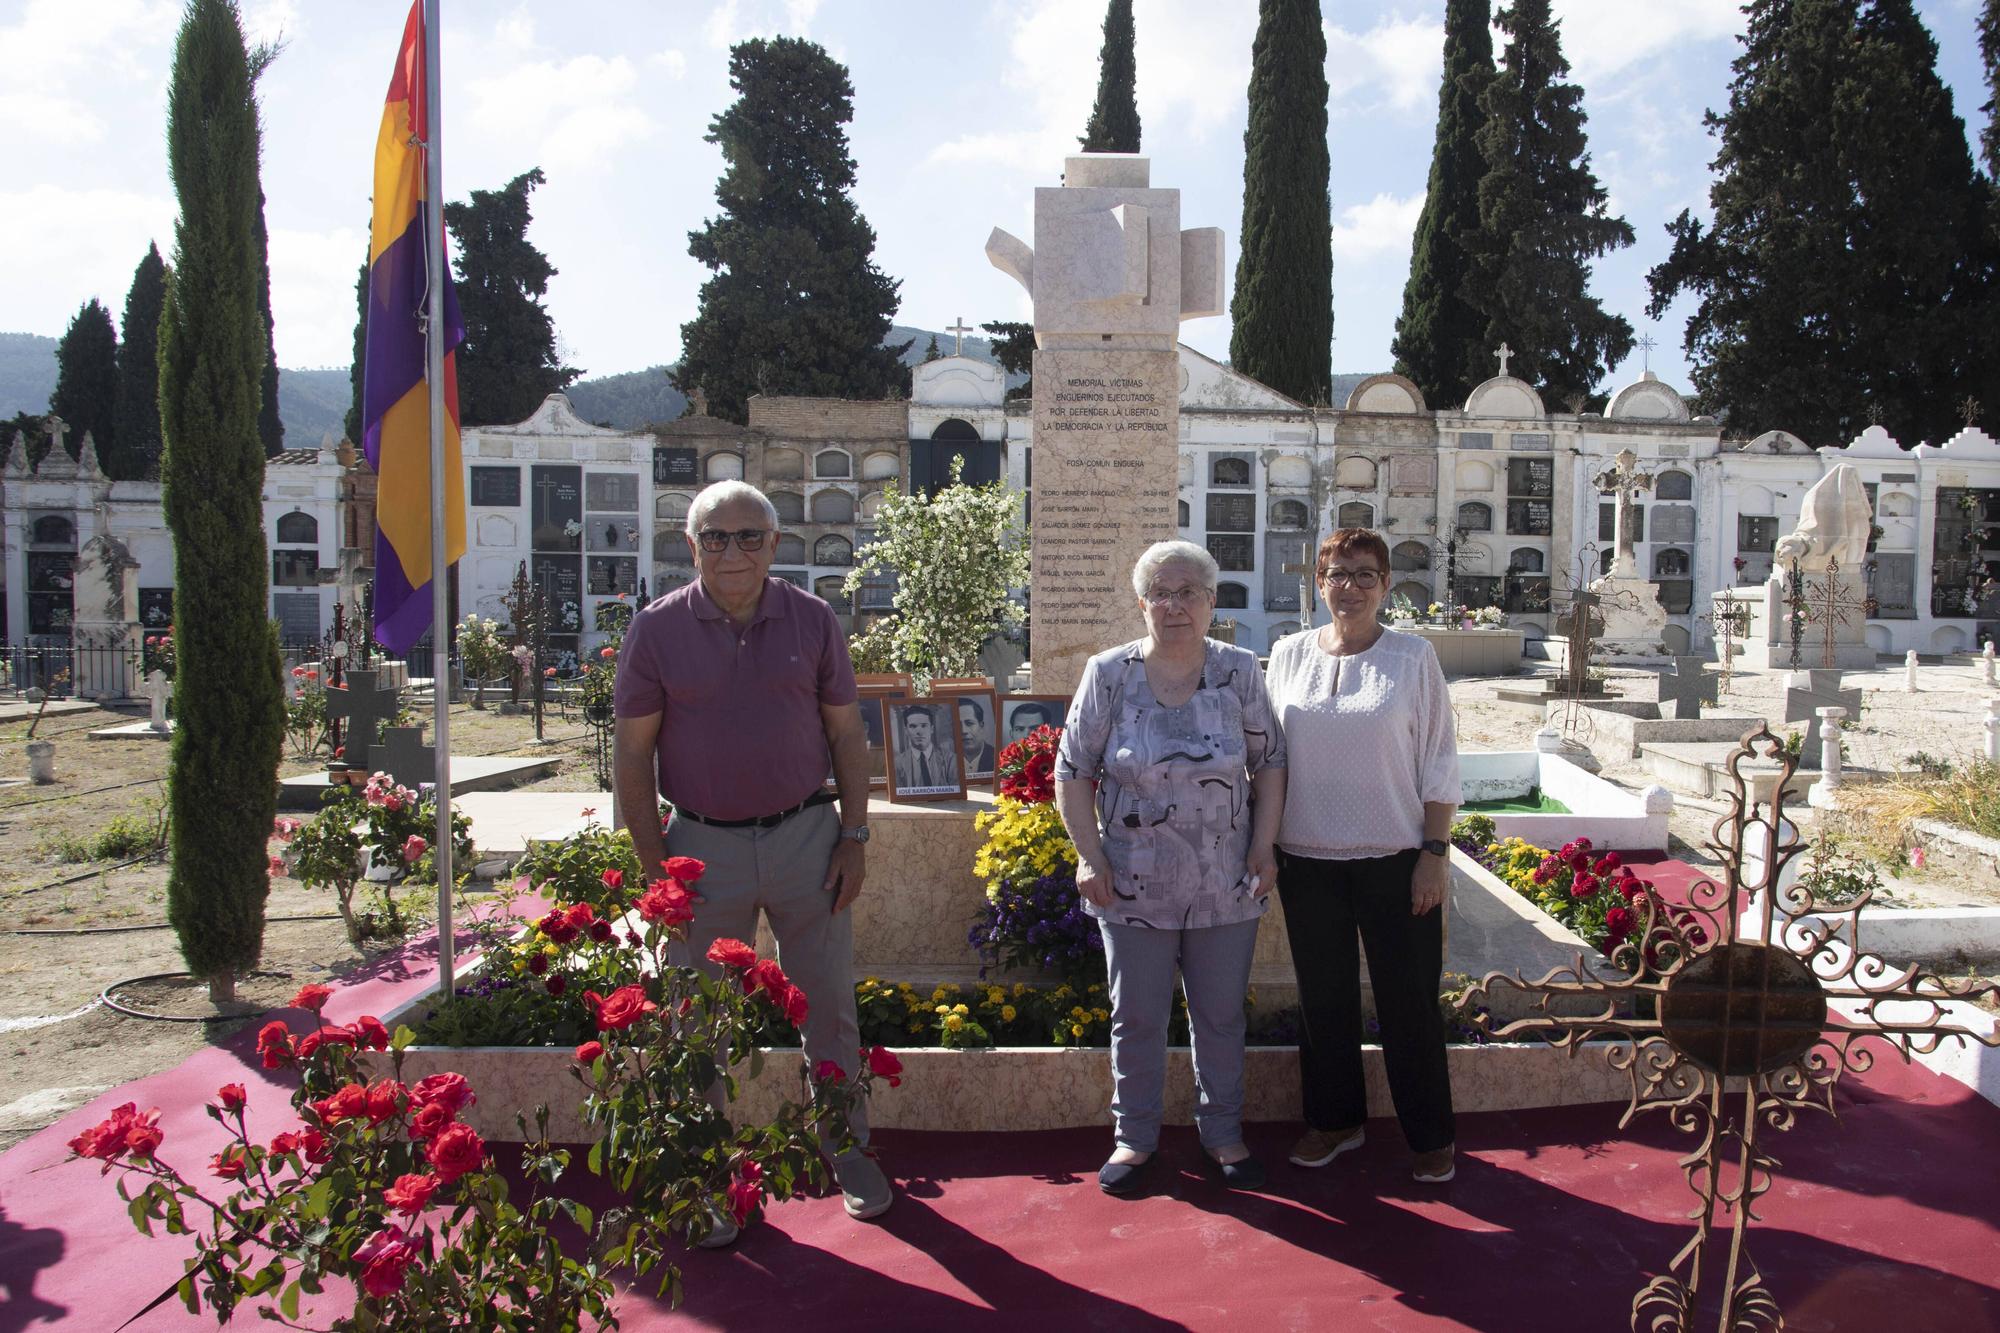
(1965, 849)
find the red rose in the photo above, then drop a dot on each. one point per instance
(829, 1069)
(614, 879)
(232, 1096)
(620, 1009)
(304, 1048)
(746, 1190)
(883, 1063)
(143, 1137)
(450, 1091)
(429, 1121)
(313, 997)
(230, 1163)
(732, 953)
(384, 1099)
(455, 1152)
(383, 1258)
(589, 1051)
(684, 868)
(314, 1145)
(274, 1043)
(373, 1035)
(284, 1143)
(666, 902)
(114, 1137)
(348, 1103)
(793, 1001)
(580, 916)
(764, 974)
(556, 984)
(338, 1035)
(410, 1195)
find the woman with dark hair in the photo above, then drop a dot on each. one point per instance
(1362, 852)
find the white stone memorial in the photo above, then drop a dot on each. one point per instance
(1112, 276)
(1634, 621)
(105, 595)
(1829, 547)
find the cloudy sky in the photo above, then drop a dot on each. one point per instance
(960, 111)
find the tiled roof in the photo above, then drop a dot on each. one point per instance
(295, 458)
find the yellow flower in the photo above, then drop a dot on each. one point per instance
(960, 1009)
(952, 1022)
(1101, 1015)
(1076, 1029)
(1020, 989)
(1006, 1013)
(942, 1009)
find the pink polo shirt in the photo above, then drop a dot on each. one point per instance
(740, 727)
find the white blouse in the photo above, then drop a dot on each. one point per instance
(1370, 742)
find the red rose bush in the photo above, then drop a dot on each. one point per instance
(379, 1185)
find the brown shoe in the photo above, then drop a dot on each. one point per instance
(1434, 1167)
(1317, 1147)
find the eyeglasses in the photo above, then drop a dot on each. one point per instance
(1363, 579)
(1175, 596)
(715, 540)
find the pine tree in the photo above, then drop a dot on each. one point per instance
(136, 428)
(932, 353)
(1541, 222)
(1848, 274)
(228, 692)
(86, 395)
(1014, 349)
(1282, 311)
(350, 425)
(508, 363)
(1439, 331)
(1114, 120)
(796, 304)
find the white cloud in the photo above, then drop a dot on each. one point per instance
(574, 112)
(69, 58)
(312, 294)
(1602, 39)
(1397, 64)
(270, 20)
(1379, 229)
(673, 62)
(733, 21)
(84, 243)
(517, 30)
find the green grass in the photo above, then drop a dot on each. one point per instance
(1535, 802)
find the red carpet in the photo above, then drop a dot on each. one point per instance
(1884, 1220)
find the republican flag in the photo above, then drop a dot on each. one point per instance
(395, 395)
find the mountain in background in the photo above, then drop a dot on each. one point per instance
(27, 373)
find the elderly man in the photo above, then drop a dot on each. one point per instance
(735, 696)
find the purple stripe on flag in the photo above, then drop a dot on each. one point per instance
(402, 613)
(393, 361)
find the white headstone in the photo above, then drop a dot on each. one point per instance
(1986, 660)
(1993, 731)
(1910, 671)
(158, 689)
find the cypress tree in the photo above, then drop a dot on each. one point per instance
(137, 425)
(270, 430)
(1282, 311)
(508, 362)
(1541, 220)
(1989, 55)
(350, 425)
(1848, 274)
(1114, 119)
(932, 353)
(1014, 349)
(795, 304)
(228, 694)
(1438, 335)
(86, 393)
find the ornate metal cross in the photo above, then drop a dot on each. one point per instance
(1732, 1013)
(1827, 606)
(1726, 625)
(527, 607)
(1646, 346)
(1795, 609)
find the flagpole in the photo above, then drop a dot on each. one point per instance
(434, 261)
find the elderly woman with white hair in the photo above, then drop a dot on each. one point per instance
(1171, 782)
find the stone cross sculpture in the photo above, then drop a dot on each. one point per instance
(1112, 276)
(1687, 687)
(1624, 480)
(407, 759)
(1822, 691)
(1503, 351)
(158, 689)
(364, 706)
(1304, 569)
(958, 330)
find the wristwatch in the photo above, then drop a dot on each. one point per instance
(1436, 846)
(859, 833)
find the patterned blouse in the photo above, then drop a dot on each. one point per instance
(1173, 795)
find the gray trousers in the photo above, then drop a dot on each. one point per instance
(779, 871)
(1214, 964)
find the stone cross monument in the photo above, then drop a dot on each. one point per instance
(1625, 482)
(1112, 276)
(1634, 620)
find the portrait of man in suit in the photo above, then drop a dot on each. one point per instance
(925, 759)
(975, 738)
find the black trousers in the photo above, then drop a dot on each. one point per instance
(1327, 904)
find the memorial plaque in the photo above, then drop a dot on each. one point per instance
(496, 487)
(156, 607)
(1672, 523)
(1531, 476)
(1233, 551)
(608, 532)
(560, 577)
(1107, 426)
(51, 571)
(1475, 439)
(1529, 518)
(1539, 443)
(613, 574)
(674, 467)
(615, 491)
(1412, 475)
(1232, 513)
(556, 508)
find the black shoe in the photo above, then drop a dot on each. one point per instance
(1125, 1178)
(1246, 1173)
